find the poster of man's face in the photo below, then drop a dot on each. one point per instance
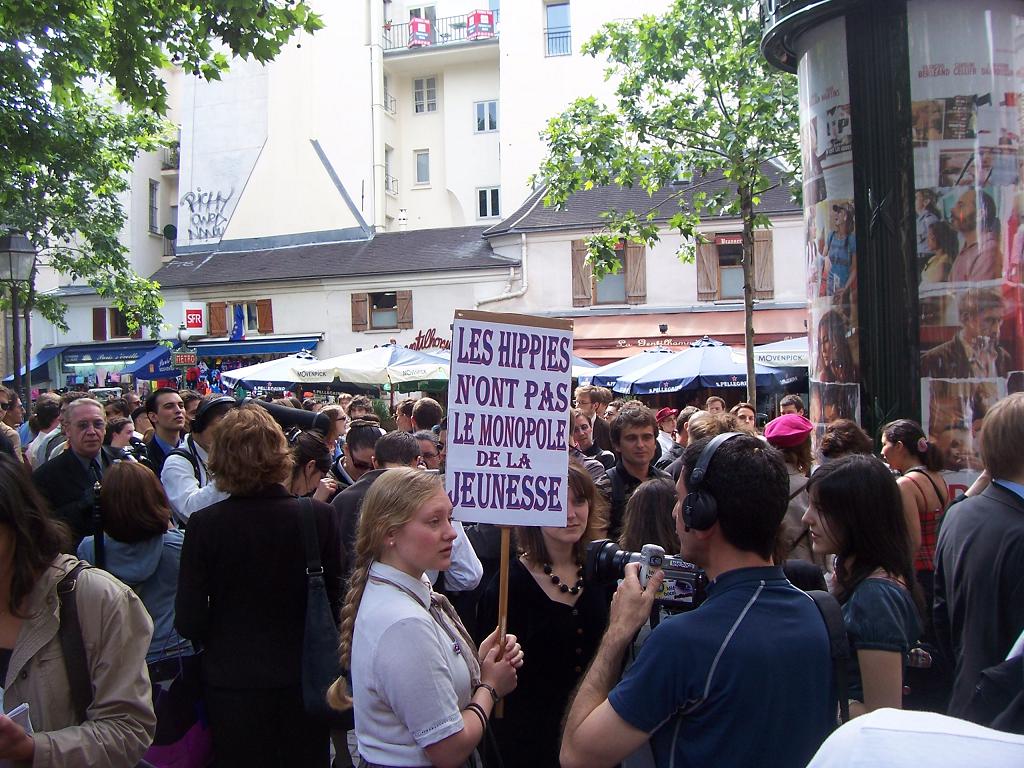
(954, 415)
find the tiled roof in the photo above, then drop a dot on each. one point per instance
(584, 209)
(422, 250)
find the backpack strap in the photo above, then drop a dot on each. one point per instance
(839, 645)
(76, 665)
(192, 459)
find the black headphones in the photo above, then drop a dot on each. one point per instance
(203, 411)
(700, 510)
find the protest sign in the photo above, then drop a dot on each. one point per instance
(509, 393)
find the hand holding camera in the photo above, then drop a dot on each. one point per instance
(632, 603)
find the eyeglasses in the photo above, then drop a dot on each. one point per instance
(342, 418)
(366, 466)
(429, 455)
(440, 446)
(4, 406)
(581, 428)
(99, 425)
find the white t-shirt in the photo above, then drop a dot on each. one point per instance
(893, 738)
(409, 680)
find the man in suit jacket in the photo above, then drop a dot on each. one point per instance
(67, 480)
(592, 401)
(167, 413)
(979, 563)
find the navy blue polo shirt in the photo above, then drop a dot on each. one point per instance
(745, 679)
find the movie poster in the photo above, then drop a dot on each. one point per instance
(826, 128)
(967, 73)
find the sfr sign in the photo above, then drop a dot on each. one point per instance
(195, 317)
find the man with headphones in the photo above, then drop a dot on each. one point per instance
(185, 477)
(745, 678)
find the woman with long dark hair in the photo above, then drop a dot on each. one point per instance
(559, 619)
(648, 518)
(115, 629)
(925, 495)
(856, 513)
(311, 461)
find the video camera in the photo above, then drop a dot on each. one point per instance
(684, 587)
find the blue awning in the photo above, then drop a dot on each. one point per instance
(155, 364)
(256, 346)
(39, 364)
(96, 354)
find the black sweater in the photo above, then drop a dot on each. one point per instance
(242, 587)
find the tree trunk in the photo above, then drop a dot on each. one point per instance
(747, 212)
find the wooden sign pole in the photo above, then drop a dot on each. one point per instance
(506, 545)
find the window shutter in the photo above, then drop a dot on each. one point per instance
(636, 274)
(764, 265)
(581, 275)
(404, 300)
(264, 316)
(707, 272)
(360, 312)
(99, 324)
(218, 313)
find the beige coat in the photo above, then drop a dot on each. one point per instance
(116, 629)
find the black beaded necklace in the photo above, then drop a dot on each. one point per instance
(573, 590)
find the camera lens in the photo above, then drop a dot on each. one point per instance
(605, 562)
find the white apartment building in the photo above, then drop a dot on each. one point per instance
(375, 177)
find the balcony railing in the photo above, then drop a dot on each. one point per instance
(390, 104)
(169, 248)
(444, 31)
(170, 157)
(390, 184)
(558, 41)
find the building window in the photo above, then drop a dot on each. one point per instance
(720, 267)
(383, 310)
(558, 37)
(119, 326)
(494, 5)
(730, 270)
(154, 206)
(390, 102)
(422, 166)
(424, 94)
(488, 203)
(627, 286)
(486, 113)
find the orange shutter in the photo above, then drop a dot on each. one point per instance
(99, 324)
(404, 300)
(764, 265)
(581, 275)
(636, 274)
(707, 272)
(218, 323)
(264, 316)
(360, 312)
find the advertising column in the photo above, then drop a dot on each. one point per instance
(967, 73)
(826, 129)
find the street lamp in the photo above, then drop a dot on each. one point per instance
(17, 260)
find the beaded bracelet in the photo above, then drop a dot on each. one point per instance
(490, 690)
(477, 710)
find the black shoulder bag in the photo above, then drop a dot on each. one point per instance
(320, 663)
(832, 614)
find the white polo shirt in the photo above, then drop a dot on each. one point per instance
(409, 680)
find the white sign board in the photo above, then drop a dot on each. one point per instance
(509, 394)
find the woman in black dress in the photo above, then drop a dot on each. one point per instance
(557, 617)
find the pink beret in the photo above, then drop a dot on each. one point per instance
(665, 413)
(788, 431)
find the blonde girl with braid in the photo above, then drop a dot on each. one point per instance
(421, 691)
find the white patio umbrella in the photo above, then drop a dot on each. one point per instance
(275, 373)
(402, 368)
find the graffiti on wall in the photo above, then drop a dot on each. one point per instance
(207, 217)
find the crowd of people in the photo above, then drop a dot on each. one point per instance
(173, 528)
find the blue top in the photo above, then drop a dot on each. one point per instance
(880, 616)
(149, 567)
(1011, 486)
(745, 679)
(841, 253)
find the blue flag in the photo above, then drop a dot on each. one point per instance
(238, 327)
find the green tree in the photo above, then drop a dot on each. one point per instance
(692, 92)
(83, 94)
